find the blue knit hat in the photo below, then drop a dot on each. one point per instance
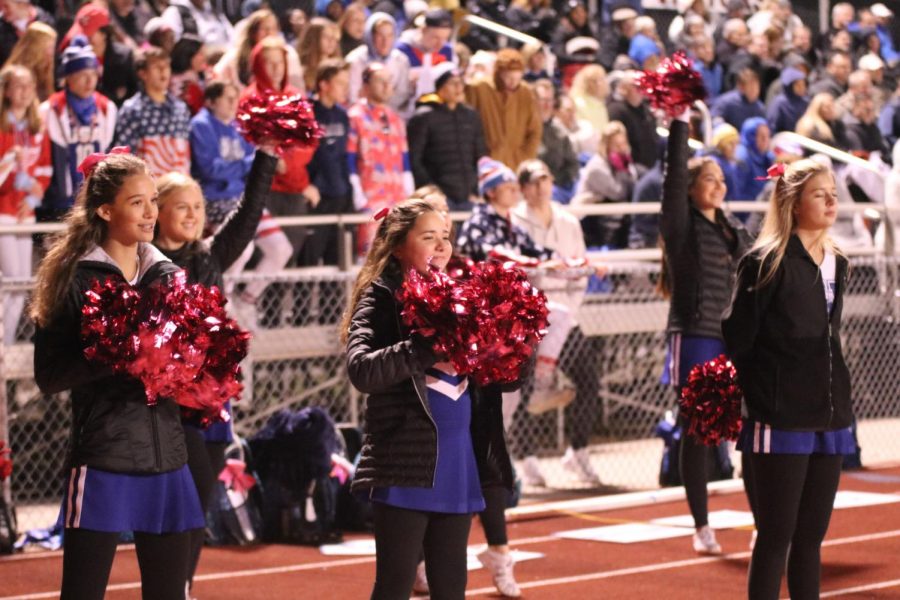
(78, 56)
(492, 173)
(642, 48)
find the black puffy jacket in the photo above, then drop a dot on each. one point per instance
(113, 429)
(786, 347)
(701, 256)
(206, 260)
(444, 148)
(400, 442)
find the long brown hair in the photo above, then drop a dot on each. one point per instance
(35, 50)
(308, 47)
(246, 40)
(780, 222)
(391, 234)
(695, 167)
(84, 230)
(32, 118)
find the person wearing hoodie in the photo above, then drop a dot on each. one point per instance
(381, 33)
(426, 48)
(644, 52)
(446, 140)
(741, 103)
(292, 193)
(788, 106)
(754, 158)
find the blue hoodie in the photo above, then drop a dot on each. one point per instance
(221, 158)
(787, 107)
(751, 162)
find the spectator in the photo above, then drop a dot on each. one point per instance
(17, 15)
(883, 18)
(629, 106)
(222, 161)
(608, 177)
(79, 121)
(509, 116)
(874, 66)
(381, 33)
(533, 17)
(377, 150)
(128, 18)
(188, 71)
(153, 123)
(589, 92)
(583, 137)
(425, 49)
(644, 231)
(756, 57)
(234, 66)
(725, 142)
(791, 103)
(754, 158)
(535, 56)
(644, 52)
(695, 28)
(863, 135)
(889, 118)
(117, 77)
(292, 193)
(821, 122)
(36, 51)
(690, 10)
(616, 38)
(446, 140)
(735, 39)
(858, 84)
(842, 15)
(802, 45)
(704, 61)
(329, 170)
(320, 40)
(775, 13)
(573, 24)
(199, 18)
(555, 150)
(834, 81)
(552, 227)
(353, 27)
(23, 143)
(159, 34)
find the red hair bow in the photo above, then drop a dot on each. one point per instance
(90, 162)
(773, 172)
(382, 213)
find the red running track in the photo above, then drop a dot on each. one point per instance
(860, 560)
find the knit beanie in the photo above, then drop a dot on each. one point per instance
(492, 173)
(78, 56)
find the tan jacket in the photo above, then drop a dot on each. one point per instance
(512, 125)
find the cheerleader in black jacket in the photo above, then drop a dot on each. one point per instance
(783, 332)
(178, 235)
(126, 466)
(701, 246)
(429, 432)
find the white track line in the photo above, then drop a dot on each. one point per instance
(862, 588)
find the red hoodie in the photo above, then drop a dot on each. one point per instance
(295, 179)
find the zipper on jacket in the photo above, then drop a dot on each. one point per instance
(154, 425)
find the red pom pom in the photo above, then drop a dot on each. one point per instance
(487, 325)
(289, 120)
(673, 86)
(175, 338)
(711, 402)
(6, 465)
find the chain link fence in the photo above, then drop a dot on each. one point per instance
(296, 360)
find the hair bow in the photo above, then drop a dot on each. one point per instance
(381, 213)
(773, 172)
(90, 162)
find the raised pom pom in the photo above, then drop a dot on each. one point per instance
(674, 86)
(287, 120)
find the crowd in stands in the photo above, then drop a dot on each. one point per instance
(409, 95)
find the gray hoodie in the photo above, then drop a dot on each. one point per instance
(395, 61)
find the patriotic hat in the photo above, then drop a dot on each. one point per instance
(78, 57)
(492, 173)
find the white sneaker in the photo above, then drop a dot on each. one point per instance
(420, 586)
(501, 567)
(531, 473)
(705, 541)
(579, 463)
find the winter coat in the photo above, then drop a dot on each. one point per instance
(511, 123)
(734, 109)
(220, 157)
(444, 148)
(641, 126)
(751, 162)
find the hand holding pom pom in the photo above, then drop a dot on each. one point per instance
(711, 402)
(287, 120)
(674, 86)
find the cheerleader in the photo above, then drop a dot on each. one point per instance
(783, 332)
(701, 246)
(24, 175)
(126, 464)
(179, 230)
(425, 424)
